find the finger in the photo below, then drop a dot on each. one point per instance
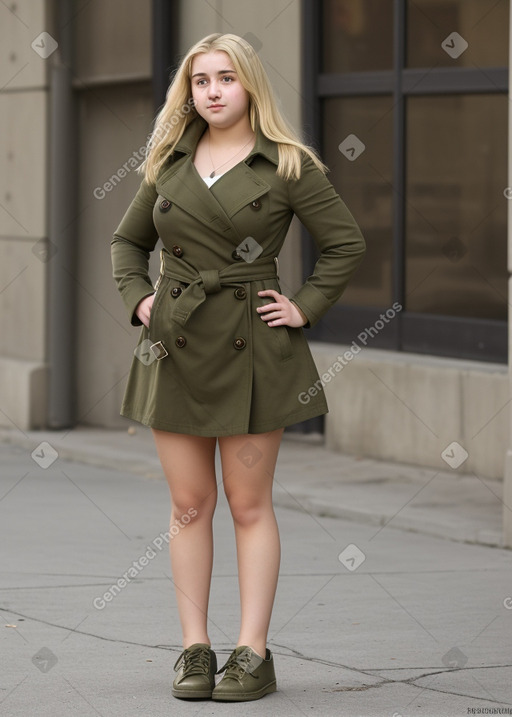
(274, 315)
(269, 307)
(270, 292)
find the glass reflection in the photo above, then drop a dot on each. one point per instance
(357, 35)
(456, 214)
(457, 33)
(364, 182)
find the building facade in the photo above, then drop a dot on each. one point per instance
(407, 103)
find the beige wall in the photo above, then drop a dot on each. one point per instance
(409, 408)
(23, 220)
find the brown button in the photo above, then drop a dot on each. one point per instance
(177, 250)
(256, 205)
(165, 205)
(239, 343)
(240, 293)
(236, 256)
(176, 291)
(181, 342)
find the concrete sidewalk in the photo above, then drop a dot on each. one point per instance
(449, 504)
(369, 619)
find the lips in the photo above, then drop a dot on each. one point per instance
(215, 107)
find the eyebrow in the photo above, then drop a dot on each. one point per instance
(220, 72)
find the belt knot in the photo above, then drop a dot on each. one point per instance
(211, 281)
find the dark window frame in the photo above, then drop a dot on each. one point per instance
(458, 337)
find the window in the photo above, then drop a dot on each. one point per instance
(420, 89)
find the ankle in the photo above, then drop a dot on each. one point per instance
(189, 643)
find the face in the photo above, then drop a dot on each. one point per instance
(216, 88)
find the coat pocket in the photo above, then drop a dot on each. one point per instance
(283, 338)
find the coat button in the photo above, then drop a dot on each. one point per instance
(239, 343)
(236, 256)
(177, 250)
(176, 291)
(240, 293)
(256, 205)
(165, 205)
(181, 342)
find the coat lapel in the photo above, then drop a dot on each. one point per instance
(214, 206)
(240, 186)
(185, 188)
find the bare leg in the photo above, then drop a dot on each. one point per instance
(248, 464)
(189, 466)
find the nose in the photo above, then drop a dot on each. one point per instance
(214, 89)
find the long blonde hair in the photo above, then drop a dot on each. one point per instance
(178, 110)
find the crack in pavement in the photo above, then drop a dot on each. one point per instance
(411, 681)
(296, 654)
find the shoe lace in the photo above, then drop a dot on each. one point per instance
(195, 661)
(237, 666)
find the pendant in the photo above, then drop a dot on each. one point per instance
(212, 175)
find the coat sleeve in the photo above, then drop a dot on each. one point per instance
(336, 235)
(134, 238)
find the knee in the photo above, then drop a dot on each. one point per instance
(194, 505)
(247, 512)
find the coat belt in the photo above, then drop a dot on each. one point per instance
(209, 281)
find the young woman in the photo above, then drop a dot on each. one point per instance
(222, 355)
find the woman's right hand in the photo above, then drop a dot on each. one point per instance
(143, 310)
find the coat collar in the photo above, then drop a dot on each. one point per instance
(181, 184)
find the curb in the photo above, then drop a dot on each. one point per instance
(293, 498)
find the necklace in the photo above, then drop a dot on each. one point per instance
(227, 160)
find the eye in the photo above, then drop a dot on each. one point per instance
(227, 77)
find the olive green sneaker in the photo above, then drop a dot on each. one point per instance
(247, 676)
(196, 667)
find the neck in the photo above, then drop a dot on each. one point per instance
(231, 136)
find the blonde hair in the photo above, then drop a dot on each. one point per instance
(178, 110)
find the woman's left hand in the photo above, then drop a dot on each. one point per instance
(282, 312)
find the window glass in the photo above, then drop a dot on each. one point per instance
(357, 35)
(456, 212)
(357, 135)
(457, 33)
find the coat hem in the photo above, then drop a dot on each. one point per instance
(233, 431)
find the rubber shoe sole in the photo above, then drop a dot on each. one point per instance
(191, 694)
(246, 697)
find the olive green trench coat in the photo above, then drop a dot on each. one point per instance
(209, 365)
